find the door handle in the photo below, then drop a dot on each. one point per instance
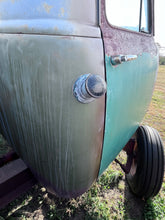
(116, 60)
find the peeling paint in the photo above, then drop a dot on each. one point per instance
(47, 7)
(62, 12)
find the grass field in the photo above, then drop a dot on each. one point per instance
(109, 198)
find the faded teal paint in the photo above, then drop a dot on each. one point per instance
(129, 91)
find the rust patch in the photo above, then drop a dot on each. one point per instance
(25, 26)
(56, 28)
(47, 7)
(122, 41)
(62, 12)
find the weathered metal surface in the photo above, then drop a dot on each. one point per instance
(15, 178)
(64, 17)
(59, 138)
(129, 85)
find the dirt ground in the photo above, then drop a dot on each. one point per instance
(37, 203)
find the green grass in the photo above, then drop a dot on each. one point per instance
(155, 208)
(109, 198)
(92, 204)
(155, 117)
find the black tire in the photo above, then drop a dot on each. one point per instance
(146, 175)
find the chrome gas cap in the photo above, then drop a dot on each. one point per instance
(89, 87)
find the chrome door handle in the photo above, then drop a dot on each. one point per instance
(115, 60)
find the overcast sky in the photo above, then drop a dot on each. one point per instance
(160, 22)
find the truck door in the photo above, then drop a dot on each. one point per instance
(131, 62)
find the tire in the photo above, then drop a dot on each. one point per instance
(147, 170)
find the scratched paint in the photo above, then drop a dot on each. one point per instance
(58, 137)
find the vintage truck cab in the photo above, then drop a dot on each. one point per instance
(76, 79)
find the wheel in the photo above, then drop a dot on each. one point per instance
(147, 170)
